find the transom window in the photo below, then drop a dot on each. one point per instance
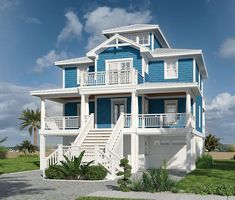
(171, 69)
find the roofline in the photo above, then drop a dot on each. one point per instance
(107, 32)
(61, 63)
(163, 37)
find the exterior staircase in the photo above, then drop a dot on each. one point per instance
(97, 137)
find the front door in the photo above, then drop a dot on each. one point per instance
(118, 107)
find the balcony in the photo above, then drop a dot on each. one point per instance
(121, 77)
(165, 120)
(62, 122)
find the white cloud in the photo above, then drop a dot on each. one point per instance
(220, 114)
(48, 60)
(227, 49)
(4, 4)
(72, 29)
(31, 20)
(13, 99)
(105, 17)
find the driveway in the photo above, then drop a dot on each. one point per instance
(30, 185)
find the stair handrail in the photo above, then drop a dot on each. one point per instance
(85, 130)
(115, 133)
(51, 159)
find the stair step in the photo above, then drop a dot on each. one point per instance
(97, 137)
(101, 131)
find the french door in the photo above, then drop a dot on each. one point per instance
(118, 107)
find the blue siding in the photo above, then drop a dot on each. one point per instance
(157, 105)
(117, 53)
(198, 105)
(70, 77)
(91, 69)
(70, 109)
(156, 43)
(91, 107)
(185, 71)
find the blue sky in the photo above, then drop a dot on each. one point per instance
(35, 33)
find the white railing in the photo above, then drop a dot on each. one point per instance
(52, 158)
(116, 133)
(62, 122)
(89, 124)
(109, 77)
(165, 120)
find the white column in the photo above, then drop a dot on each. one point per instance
(134, 135)
(42, 152)
(87, 105)
(188, 152)
(43, 113)
(188, 109)
(83, 109)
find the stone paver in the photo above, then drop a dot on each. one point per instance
(31, 186)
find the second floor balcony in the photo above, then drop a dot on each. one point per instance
(121, 77)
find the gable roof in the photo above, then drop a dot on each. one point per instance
(137, 28)
(74, 61)
(93, 52)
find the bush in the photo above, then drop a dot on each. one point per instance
(3, 152)
(157, 180)
(96, 172)
(137, 185)
(205, 161)
(231, 148)
(221, 189)
(53, 172)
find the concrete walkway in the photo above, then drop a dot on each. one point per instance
(30, 185)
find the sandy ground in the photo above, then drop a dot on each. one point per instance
(222, 155)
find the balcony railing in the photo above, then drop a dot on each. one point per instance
(62, 122)
(110, 78)
(165, 120)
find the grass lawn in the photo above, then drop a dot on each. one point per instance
(19, 164)
(103, 198)
(222, 171)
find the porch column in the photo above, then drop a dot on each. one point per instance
(188, 109)
(188, 152)
(87, 105)
(42, 152)
(83, 109)
(134, 134)
(43, 113)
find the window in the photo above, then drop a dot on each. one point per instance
(118, 65)
(132, 37)
(144, 39)
(171, 69)
(171, 108)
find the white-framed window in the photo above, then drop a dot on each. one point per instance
(171, 106)
(144, 39)
(171, 69)
(199, 116)
(132, 37)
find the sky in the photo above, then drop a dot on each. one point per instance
(33, 34)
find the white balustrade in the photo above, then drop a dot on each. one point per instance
(109, 77)
(165, 120)
(62, 122)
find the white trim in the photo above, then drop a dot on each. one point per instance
(113, 101)
(95, 65)
(152, 47)
(144, 34)
(166, 76)
(175, 101)
(199, 116)
(63, 74)
(78, 76)
(194, 70)
(167, 97)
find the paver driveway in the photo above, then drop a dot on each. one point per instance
(30, 185)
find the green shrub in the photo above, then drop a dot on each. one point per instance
(3, 152)
(53, 172)
(137, 185)
(96, 172)
(233, 157)
(205, 161)
(157, 180)
(221, 189)
(124, 182)
(231, 148)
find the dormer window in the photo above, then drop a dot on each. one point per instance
(144, 39)
(171, 69)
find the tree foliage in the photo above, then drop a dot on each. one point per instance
(31, 120)
(212, 142)
(26, 147)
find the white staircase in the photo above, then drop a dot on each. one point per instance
(104, 146)
(97, 137)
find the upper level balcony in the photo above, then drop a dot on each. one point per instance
(117, 77)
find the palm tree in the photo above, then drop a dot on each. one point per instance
(26, 147)
(31, 120)
(212, 142)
